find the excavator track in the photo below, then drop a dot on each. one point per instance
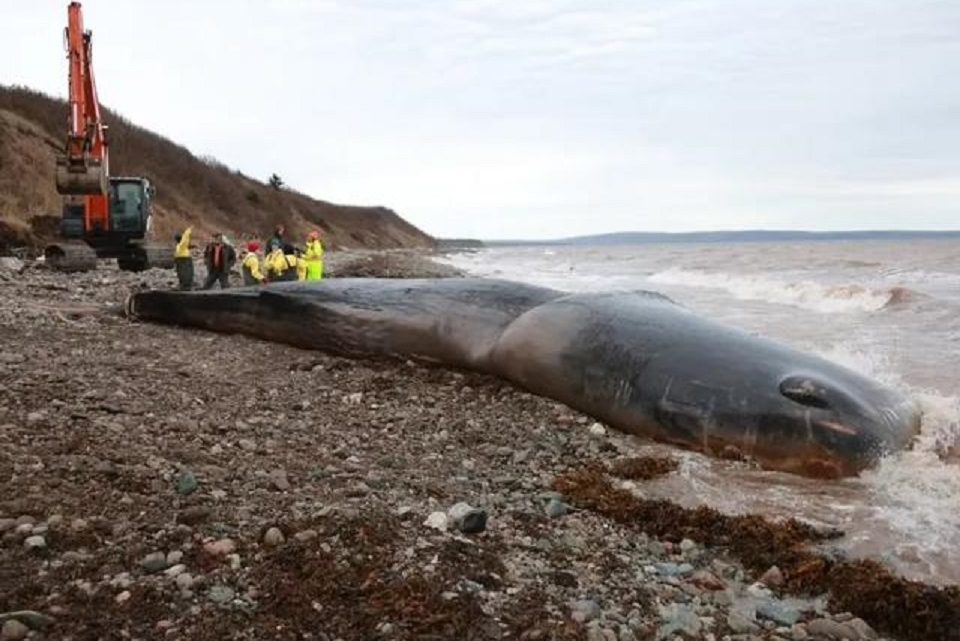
(80, 257)
(147, 256)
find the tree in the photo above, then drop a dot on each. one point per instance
(276, 182)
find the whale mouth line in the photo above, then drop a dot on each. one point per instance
(838, 427)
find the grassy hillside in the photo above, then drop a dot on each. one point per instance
(190, 190)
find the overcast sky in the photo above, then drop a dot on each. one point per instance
(535, 118)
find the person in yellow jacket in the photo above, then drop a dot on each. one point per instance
(182, 260)
(314, 257)
(279, 266)
(250, 266)
(301, 265)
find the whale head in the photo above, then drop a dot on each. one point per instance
(787, 410)
(648, 366)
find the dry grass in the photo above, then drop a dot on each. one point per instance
(200, 191)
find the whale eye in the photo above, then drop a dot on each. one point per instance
(802, 390)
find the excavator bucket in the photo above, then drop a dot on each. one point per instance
(70, 257)
(80, 178)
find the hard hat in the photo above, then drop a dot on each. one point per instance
(253, 246)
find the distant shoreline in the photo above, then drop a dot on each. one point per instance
(638, 238)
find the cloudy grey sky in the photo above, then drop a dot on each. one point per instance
(535, 118)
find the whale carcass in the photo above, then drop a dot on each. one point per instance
(635, 360)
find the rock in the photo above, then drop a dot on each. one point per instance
(78, 525)
(672, 569)
(772, 578)
(597, 430)
(122, 581)
(187, 483)
(469, 520)
(174, 557)
(24, 529)
(273, 537)
(184, 581)
(34, 418)
(679, 619)
(706, 580)
(26, 519)
(193, 515)
(246, 445)
(123, 597)
(358, 489)
(234, 560)
(54, 521)
(7, 524)
(35, 543)
(831, 629)
(584, 611)
(154, 562)
(759, 591)
(220, 594)
(566, 578)
(278, 480)
(11, 264)
(778, 612)
(32, 619)
(13, 630)
(556, 508)
(862, 628)
(306, 535)
(222, 547)
(687, 546)
(596, 634)
(798, 632)
(740, 623)
(626, 634)
(437, 521)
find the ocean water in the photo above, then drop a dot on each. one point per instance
(890, 310)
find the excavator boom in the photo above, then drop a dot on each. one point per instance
(84, 166)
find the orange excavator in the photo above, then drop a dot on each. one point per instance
(103, 216)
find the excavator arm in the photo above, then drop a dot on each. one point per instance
(84, 166)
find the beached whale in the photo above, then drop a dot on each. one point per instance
(635, 360)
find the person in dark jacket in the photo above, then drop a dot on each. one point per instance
(219, 258)
(278, 240)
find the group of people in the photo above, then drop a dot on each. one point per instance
(282, 261)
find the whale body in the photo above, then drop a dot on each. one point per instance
(635, 360)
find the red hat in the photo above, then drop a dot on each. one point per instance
(253, 246)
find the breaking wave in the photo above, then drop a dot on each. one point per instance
(807, 294)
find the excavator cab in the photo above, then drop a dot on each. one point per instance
(130, 200)
(129, 203)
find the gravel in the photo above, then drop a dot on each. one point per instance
(205, 486)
